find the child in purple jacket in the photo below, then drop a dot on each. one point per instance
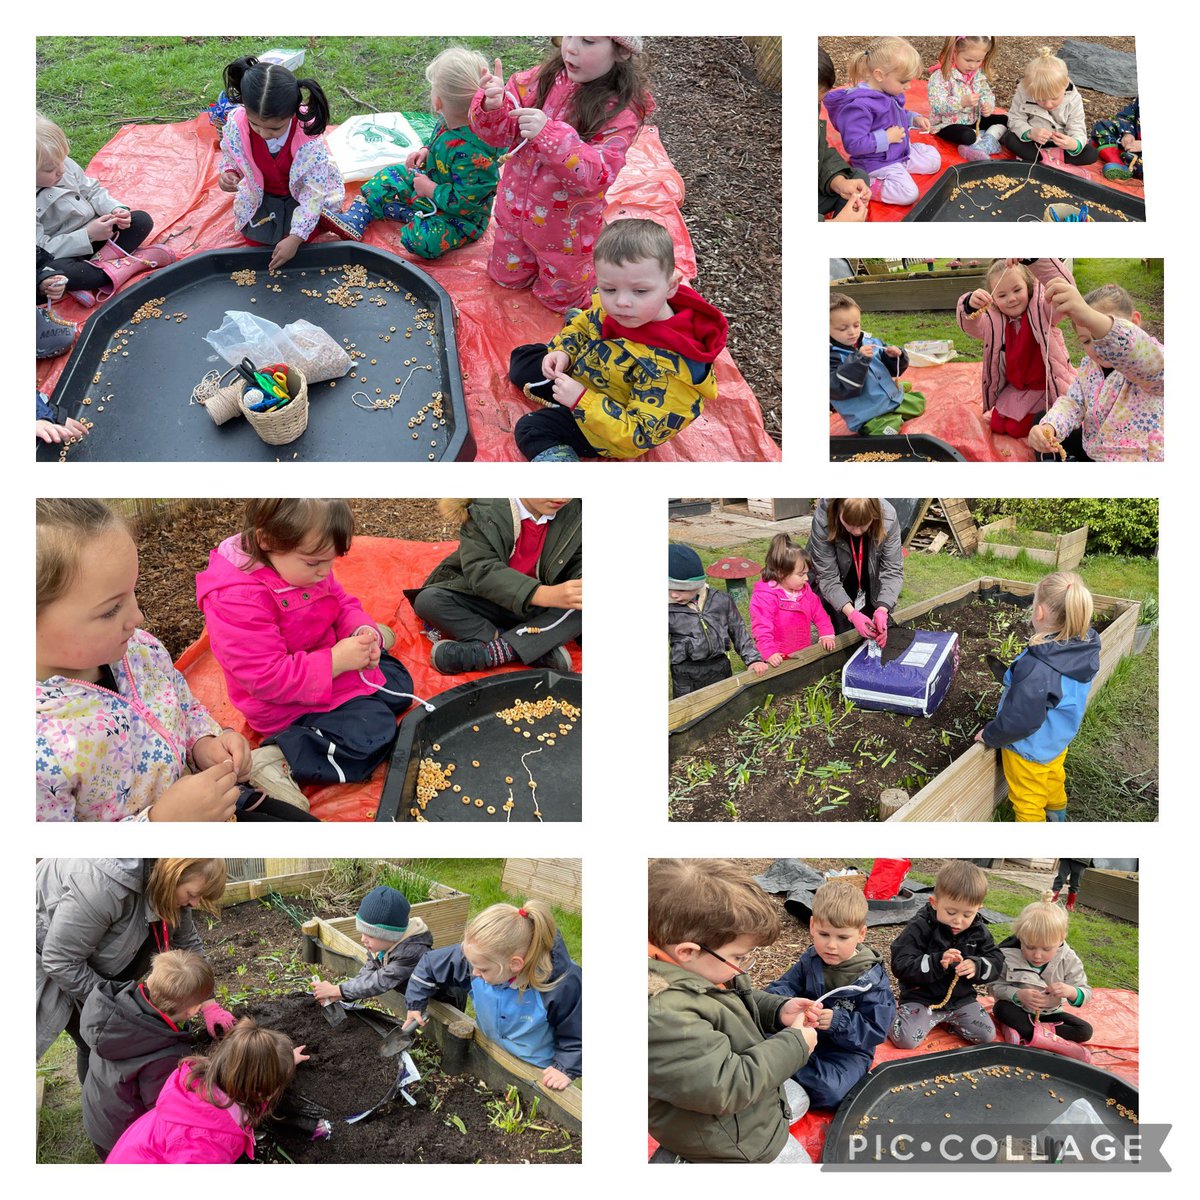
(783, 608)
(874, 124)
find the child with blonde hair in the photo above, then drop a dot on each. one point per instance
(874, 124)
(527, 992)
(209, 1108)
(783, 608)
(1026, 366)
(442, 195)
(1113, 410)
(1045, 696)
(138, 1031)
(961, 100)
(1046, 110)
(1043, 979)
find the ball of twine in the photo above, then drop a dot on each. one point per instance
(222, 403)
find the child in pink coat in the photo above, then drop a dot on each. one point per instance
(302, 659)
(783, 608)
(208, 1109)
(569, 123)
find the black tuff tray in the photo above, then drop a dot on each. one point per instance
(936, 204)
(149, 417)
(912, 447)
(557, 770)
(1019, 1099)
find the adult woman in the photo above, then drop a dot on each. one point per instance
(855, 564)
(105, 918)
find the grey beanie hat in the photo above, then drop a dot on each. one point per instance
(383, 914)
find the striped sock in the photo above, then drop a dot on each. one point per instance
(499, 652)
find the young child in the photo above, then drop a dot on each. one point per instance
(1045, 697)
(721, 1053)
(513, 589)
(702, 623)
(850, 1026)
(1025, 361)
(138, 1032)
(863, 374)
(941, 956)
(209, 1108)
(55, 336)
(48, 428)
(567, 126)
(874, 124)
(783, 608)
(1046, 110)
(843, 191)
(76, 221)
(961, 100)
(1119, 143)
(1113, 410)
(527, 991)
(631, 371)
(303, 661)
(395, 944)
(442, 195)
(118, 731)
(1043, 979)
(275, 159)
(1070, 872)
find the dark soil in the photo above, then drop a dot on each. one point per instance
(260, 942)
(907, 751)
(723, 129)
(174, 546)
(1006, 69)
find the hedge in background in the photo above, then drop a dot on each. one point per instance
(1118, 526)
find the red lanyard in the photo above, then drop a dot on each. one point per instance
(857, 559)
(161, 941)
(142, 989)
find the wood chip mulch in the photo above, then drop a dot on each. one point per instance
(723, 130)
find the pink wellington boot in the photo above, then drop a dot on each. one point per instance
(1044, 1038)
(1009, 1035)
(121, 266)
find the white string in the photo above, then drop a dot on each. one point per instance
(850, 987)
(537, 812)
(543, 628)
(404, 695)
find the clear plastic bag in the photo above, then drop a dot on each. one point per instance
(301, 344)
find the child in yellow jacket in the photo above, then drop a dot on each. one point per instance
(631, 371)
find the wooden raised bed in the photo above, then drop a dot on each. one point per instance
(967, 790)
(910, 291)
(1113, 892)
(466, 1050)
(1065, 552)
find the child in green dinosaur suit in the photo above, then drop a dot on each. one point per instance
(442, 195)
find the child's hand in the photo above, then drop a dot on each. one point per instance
(850, 186)
(809, 1034)
(826, 641)
(228, 181)
(1065, 140)
(1034, 998)
(424, 186)
(49, 432)
(122, 218)
(567, 391)
(1040, 136)
(775, 659)
(412, 1014)
(210, 795)
(1129, 142)
(980, 299)
(892, 351)
(298, 1055)
(555, 363)
(867, 350)
(856, 210)
(53, 286)
(530, 121)
(759, 668)
(217, 1020)
(1062, 991)
(323, 990)
(895, 134)
(979, 735)
(493, 88)
(417, 159)
(824, 1016)
(100, 229)
(353, 653)
(1066, 301)
(921, 123)
(988, 109)
(284, 252)
(215, 748)
(965, 970)
(554, 1079)
(950, 958)
(1043, 438)
(568, 594)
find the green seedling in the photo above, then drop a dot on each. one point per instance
(457, 1122)
(732, 810)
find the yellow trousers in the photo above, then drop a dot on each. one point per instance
(1035, 788)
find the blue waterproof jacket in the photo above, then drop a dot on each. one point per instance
(542, 1028)
(1045, 695)
(862, 388)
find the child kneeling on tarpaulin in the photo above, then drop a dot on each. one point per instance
(631, 371)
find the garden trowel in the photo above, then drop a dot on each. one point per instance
(398, 1040)
(332, 1010)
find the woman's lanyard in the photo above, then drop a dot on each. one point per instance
(142, 989)
(860, 599)
(161, 934)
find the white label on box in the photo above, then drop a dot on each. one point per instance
(918, 654)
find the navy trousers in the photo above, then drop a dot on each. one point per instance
(830, 1074)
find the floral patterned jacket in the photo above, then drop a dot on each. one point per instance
(1121, 415)
(315, 181)
(957, 101)
(107, 756)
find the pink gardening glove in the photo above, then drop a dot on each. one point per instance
(881, 621)
(217, 1020)
(862, 623)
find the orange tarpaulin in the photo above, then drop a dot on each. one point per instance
(954, 412)
(1112, 1013)
(916, 99)
(377, 570)
(170, 171)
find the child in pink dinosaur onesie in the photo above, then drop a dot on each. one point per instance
(783, 608)
(570, 123)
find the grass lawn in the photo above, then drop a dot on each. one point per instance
(91, 86)
(1144, 284)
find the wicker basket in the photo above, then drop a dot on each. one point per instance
(857, 880)
(285, 424)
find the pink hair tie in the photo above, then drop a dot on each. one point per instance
(522, 913)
